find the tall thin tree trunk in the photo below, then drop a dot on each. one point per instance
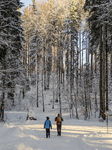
(106, 72)
(44, 61)
(80, 54)
(28, 59)
(57, 71)
(76, 82)
(91, 70)
(53, 77)
(67, 64)
(3, 92)
(49, 63)
(23, 92)
(3, 100)
(101, 101)
(42, 87)
(96, 103)
(82, 60)
(88, 37)
(85, 93)
(37, 80)
(87, 58)
(95, 63)
(53, 93)
(61, 53)
(111, 63)
(103, 84)
(71, 76)
(59, 87)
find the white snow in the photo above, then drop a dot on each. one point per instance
(18, 134)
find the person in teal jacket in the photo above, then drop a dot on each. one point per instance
(47, 126)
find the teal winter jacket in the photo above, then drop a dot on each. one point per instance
(47, 124)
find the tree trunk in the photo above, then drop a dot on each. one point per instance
(59, 86)
(3, 100)
(37, 80)
(71, 76)
(76, 82)
(42, 87)
(61, 65)
(57, 71)
(23, 93)
(82, 60)
(111, 64)
(53, 77)
(85, 92)
(96, 104)
(53, 93)
(87, 58)
(28, 59)
(3, 92)
(103, 84)
(106, 72)
(95, 63)
(80, 54)
(44, 61)
(101, 101)
(49, 63)
(91, 70)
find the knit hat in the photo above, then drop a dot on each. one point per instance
(47, 118)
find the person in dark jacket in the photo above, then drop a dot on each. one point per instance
(59, 120)
(47, 126)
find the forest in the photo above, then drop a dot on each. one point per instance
(57, 47)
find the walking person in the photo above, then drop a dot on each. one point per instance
(47, 126)
(59, 120)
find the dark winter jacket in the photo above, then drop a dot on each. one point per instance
(61, 119)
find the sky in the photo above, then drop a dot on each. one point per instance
(26, 2)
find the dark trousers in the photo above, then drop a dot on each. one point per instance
(59, 129)
(47, 133)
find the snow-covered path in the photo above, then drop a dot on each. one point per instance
(76, 135)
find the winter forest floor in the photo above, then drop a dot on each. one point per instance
(18, 134)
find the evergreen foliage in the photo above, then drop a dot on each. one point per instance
(11, 45)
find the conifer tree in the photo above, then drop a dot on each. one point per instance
(35, 54)
(11, 44)
(96, 23)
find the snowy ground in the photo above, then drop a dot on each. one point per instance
(19, 134)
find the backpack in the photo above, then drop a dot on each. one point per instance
(58, 121)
